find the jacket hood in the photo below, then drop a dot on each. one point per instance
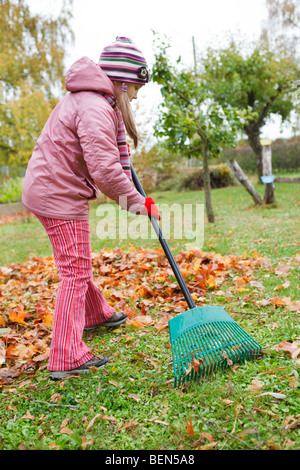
(86, 75)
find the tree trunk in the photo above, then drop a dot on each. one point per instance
(267, 171)
(253, 134)
(207, 188)
(240, 175)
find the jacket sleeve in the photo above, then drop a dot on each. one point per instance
(96, 124)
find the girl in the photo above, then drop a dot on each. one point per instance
(83, 149)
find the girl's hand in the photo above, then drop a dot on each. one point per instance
(151, 208)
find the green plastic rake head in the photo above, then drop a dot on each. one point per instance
(207, 339)
(203, 339)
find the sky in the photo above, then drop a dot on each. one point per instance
(96, 23)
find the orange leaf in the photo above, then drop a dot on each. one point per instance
(190, 429)
(48, 319)
(195, 364)
(17, 317)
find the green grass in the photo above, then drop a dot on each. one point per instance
(136, 386)
(240, 227)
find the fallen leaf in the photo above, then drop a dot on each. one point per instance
(287, 424)
(113, 382)
(257, 284)
(209, 446)
(17, 317)
(111, 419)
(226, 401)
(190, 429)
(282, 270)
(268, 412)
(255, 385)
(28, 416)
(285, 285)
(85, 442)
(164, 423)
(229, 361)
(135, 397)
(292, 348)
(128, 424)
(64, 429)
(196, 364)
(91, 423)
(56, 397)
(277, 301)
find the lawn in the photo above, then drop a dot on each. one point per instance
(132, 403)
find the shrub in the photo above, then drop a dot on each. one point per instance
(11, 190)
(192, 178)
(285, 156)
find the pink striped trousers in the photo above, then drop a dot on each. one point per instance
(79, 303)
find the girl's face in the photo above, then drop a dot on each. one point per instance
(132, 90)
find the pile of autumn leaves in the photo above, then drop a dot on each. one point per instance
(139, 282)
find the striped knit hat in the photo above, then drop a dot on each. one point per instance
(124, 62)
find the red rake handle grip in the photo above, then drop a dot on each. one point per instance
(165, 246)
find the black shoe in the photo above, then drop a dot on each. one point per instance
(94, 362)
(117, 319)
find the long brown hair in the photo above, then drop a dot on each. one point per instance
(124, 105)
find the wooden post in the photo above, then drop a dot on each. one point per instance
(240, 175)
(267, 178)
(194, 53)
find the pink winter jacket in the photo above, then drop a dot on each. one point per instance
(77, 152)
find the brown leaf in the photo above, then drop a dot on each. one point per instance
(268, 412)
(128, 424)
(56, 397)
(209, 446)
(190, 429)
(164, 423)
(85, 442)
(255, 385)
(196, 364)
(135, 397)
(91, 423)
(66, 431)
(292, 348)
(111, 419)
(225, 355)
(226, 401)
(283, 270)
(28, 416)
(113, 382)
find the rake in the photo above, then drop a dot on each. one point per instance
(203, 339)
